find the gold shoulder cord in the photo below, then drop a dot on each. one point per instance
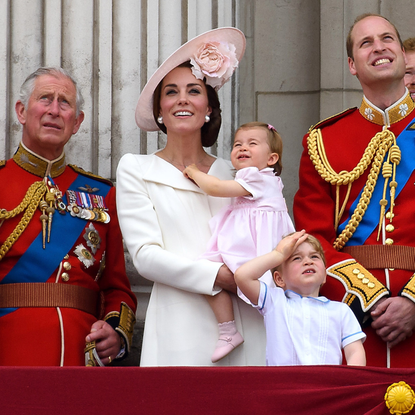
(374, 154)
(29, 204)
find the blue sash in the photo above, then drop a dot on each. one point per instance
(370, 221)
(37, 264)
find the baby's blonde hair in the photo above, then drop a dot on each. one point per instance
(274, 141)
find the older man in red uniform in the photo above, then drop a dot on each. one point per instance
(62, 274)
(357, 195)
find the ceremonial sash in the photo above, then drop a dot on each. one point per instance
(370, 221)
(37, 264)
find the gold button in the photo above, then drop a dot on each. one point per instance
(371, 285)
(390, 216)
(361, 276)
(365, 281)
(65, 276)
(356, 271)
(390, 228)
(66, 256)
(67, 266)
(391, 269)
(389, 241)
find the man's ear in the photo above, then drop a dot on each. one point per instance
(279, 281)
(20, 112)
(78, 122)
(352, 67)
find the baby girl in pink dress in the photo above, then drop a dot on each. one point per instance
(254, 222)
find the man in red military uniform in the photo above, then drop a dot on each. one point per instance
(357, 195)
(62, 273)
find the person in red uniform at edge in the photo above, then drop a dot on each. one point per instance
(357, 195)
(409, 47)
(62, 273)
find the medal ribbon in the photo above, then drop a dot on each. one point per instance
(86, 200)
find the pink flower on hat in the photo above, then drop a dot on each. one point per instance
(216, 61)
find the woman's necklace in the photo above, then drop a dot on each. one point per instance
(180, 164)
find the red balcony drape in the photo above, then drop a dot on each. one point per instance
(177, 390)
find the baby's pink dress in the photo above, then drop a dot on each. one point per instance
(251, 225)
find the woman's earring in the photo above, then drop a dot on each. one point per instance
(207, 118)
(160, 119)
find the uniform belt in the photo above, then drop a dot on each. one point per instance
(48, 295)
(383, 256)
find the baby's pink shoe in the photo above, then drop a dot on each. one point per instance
(229, 339)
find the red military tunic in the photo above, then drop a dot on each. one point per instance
(53, 336)
(345, 138)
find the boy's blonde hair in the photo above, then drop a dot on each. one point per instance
(314, 242)
(274, 141)
(409, 44)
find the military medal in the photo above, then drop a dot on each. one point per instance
(92, 238)
(87, 206)
(84, 255)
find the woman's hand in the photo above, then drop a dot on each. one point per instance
(225, 279)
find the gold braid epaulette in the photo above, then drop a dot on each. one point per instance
(29, 204)
(358, 282)
(80, 170)
(374, 154)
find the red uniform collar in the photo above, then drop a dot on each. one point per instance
(396, 112)
(37, 165)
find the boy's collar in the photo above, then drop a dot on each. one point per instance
(293, 294)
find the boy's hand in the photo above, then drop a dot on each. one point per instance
(290, 243)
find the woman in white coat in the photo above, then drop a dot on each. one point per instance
(164, 216)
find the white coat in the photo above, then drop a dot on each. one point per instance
(164, 220)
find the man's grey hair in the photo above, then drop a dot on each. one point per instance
(28, 86)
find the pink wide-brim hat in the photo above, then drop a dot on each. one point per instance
(144, 111)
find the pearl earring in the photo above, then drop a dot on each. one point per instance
(207, 118)
(160, 119)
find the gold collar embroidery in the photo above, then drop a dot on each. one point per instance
(391, 115)
(38, 165)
